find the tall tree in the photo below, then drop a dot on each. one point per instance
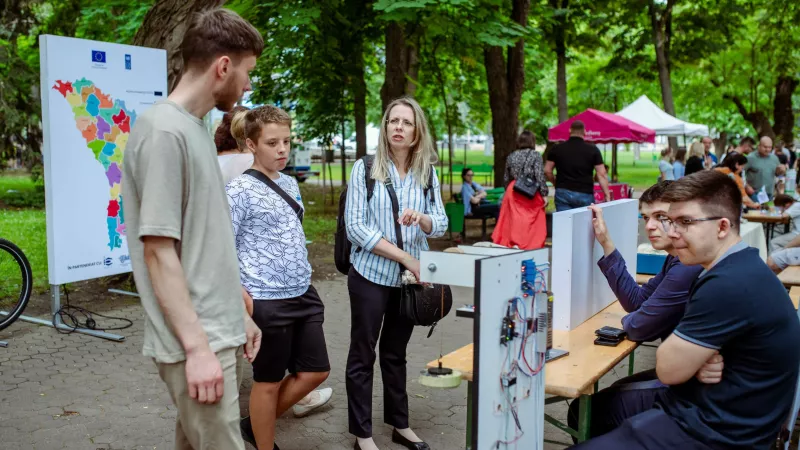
(164, 26)
(505, 76)
(402, 61)
(559, 31)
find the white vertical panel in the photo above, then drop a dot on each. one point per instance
(579, 288)
(499, 281)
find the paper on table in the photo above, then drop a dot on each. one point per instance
(762, 196)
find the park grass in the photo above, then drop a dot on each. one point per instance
(26, 228)
(639, 174)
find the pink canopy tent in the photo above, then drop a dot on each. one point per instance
(605, 128)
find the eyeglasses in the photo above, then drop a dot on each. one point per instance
(680, 225)
(396, 122)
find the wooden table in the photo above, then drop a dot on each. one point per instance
(790, 276)
(794, 294)
(574, 376)
(769, 222)
(643, 278)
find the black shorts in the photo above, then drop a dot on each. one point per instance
(293, 339)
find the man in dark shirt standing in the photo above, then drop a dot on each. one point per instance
(739, 315)
(574, 161)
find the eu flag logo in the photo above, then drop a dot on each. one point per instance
(98, 56)
(128, 62)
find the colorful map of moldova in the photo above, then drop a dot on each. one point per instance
(105, 125)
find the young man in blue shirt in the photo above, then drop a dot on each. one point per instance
(739, 318)
(654, 309)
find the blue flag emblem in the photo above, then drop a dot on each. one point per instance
(98, 56)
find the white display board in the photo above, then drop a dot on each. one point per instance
(494, 276)
(92, 92)
(579, 288)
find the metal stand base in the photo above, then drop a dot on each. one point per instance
(121, 292)
(55, 306)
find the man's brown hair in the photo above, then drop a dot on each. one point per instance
(655, 192)
(218, 32)
(577, 126)
(526, 139)
(717, 194)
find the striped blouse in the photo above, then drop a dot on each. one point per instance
(368, 223)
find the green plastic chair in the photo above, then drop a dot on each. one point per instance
(455, 218)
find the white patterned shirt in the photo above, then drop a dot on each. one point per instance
(270, 242)
(368, 223)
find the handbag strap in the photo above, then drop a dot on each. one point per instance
(396, 215)
(274, 186)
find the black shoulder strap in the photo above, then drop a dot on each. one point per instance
(272, 185)
(429, 190)
(396, 214)
(370, 182)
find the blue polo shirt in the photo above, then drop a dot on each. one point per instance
(739, 308)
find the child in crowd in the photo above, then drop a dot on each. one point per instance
(267, 215)
(791, 209)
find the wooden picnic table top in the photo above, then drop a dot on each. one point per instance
(758, 216)
(572, 375)
(794, 294)
(790, 276)
(642, 278)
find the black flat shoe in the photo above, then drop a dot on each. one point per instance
(246, 427)
(400, 439)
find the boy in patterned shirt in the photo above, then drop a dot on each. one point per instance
(267, 214)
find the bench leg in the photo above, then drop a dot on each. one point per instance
(630, 363)
(469, 415)
(584, 418)
(483, 229)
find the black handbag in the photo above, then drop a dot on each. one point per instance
(422, 305)
(525, 184)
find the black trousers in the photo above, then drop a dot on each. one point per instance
(625, 416)
(370, 306)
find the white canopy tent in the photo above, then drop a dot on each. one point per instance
(644, 112)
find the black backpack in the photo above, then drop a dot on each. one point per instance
(343, 246)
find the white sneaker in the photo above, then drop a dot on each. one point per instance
(319, 398)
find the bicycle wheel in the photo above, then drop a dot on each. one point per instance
(16, 285)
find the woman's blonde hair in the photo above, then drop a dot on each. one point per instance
(422, 156)
(247, 124)
(697, 150)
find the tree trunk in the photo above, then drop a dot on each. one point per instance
(402, 65)
(164, 26)
(662, 34)
(506, 79)
(783, 115)
(561, 58)
(360, 99)
(720, 144)
(757, 119)
(614, 175)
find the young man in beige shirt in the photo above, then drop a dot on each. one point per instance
(181, 239)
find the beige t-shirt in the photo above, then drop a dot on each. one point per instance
(172, 187)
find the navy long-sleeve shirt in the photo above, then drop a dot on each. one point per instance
(655, 308)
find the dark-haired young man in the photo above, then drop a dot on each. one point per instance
(654, 309)
(181, 239)
(739, 316)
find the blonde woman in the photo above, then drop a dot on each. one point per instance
(696, 161)
(403, 165)
(665, 166)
